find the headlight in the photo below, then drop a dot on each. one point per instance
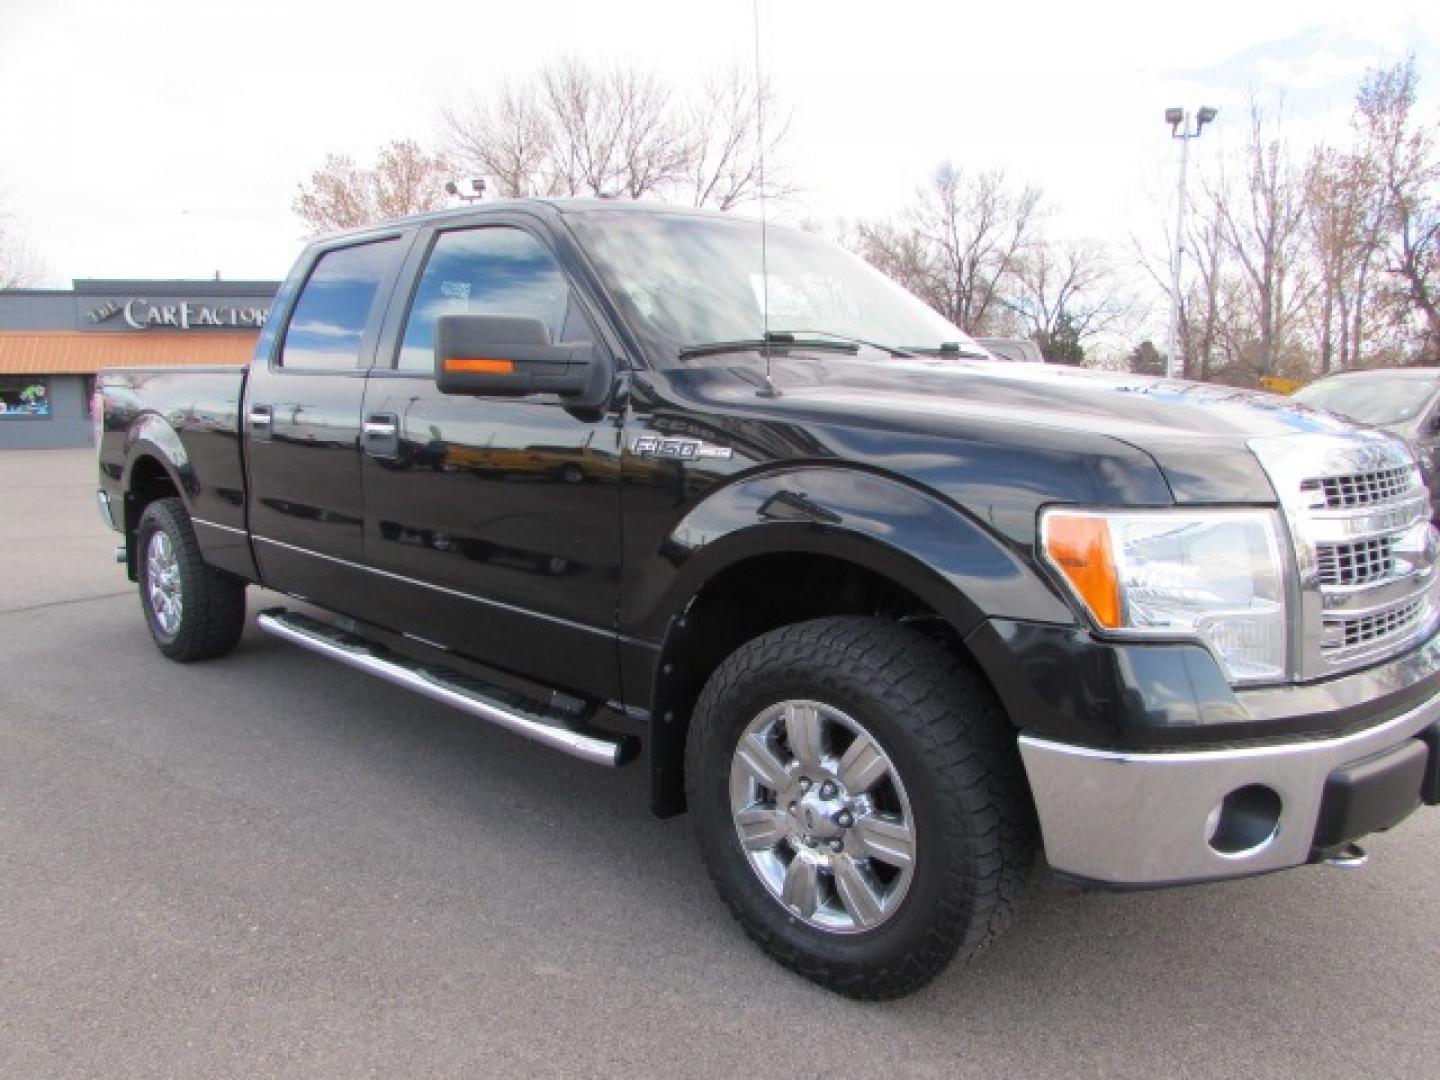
(1214, 576)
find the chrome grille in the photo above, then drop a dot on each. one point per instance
(1362, 489)
(1357, 631)
(1357, 563)
(1359, 517)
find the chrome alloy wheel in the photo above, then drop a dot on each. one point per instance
(162, 583)
(822, 816)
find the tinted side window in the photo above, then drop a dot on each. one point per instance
(334, 306)
(488, 271)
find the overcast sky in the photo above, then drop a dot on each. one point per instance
(165, 139)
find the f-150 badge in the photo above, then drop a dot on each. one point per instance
(679, 449)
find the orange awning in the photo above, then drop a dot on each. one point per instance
(71, 352)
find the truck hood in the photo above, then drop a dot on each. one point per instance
(1196, 433)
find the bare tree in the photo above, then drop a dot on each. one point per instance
(1262, 223)
(571, 129)
(1344, 216)
(899, 252)
(1403, 152)
(614, 129)
(1216, 322)
(409, 180)
(576, 128)
(1206, 307)
(960, 246)
(1417, 246)
(20, 267)
(725, 152)
(509, 140)
(1069, 286)
(404, 180)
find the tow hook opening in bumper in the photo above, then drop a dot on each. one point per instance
(1244, 821)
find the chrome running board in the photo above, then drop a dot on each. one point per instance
(448, 687)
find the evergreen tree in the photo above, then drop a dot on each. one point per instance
(1062, 345)
(1146, 359)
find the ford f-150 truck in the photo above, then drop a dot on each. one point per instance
(886, 614)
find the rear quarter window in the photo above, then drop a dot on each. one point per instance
(331, 313)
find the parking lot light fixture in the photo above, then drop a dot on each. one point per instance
(457, 189)
(1178, 119)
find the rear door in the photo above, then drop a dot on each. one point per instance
(494, 522)
(302, 422)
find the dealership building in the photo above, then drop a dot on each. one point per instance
(53, 341)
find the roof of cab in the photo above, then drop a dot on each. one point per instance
(545, 205)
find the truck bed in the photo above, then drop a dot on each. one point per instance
(183, 425)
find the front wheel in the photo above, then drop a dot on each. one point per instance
(194, 611)
(860, 803)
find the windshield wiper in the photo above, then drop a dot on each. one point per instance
(784, 339)
(947, 348)
(894, 350)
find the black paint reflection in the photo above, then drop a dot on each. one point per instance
(479, 550)
(304, 484)
(510, 511)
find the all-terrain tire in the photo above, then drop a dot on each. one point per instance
(945, 732)
(209, 617)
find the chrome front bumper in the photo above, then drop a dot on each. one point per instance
(1151, 818)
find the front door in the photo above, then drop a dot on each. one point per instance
(302, 422)
(494, 523)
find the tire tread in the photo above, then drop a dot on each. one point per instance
(214, 613)
(945, 705)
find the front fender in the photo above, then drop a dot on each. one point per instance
(922, 542)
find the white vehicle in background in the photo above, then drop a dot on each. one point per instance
(1021, 350)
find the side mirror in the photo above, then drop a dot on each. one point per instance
(509, 356)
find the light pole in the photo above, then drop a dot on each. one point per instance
(1179, 121)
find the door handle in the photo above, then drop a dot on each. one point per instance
(261, 418)
(381, 435)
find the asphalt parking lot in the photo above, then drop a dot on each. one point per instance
(272, 866)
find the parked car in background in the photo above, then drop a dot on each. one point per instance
(1020, 350)
(1403, 401)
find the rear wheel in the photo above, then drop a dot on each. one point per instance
(860, 803)
(194, 611)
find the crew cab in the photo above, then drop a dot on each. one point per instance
(886, 614)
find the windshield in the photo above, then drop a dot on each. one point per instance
(688, 280)
(1372, 399)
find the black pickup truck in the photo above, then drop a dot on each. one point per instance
(887, 614)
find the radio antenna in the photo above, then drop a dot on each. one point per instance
(769, 388)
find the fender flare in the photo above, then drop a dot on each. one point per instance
(923, 542)
(153, 436)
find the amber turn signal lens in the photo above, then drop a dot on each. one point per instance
(1080, 547)
(478, 366)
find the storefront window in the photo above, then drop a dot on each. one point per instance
(24, 397)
